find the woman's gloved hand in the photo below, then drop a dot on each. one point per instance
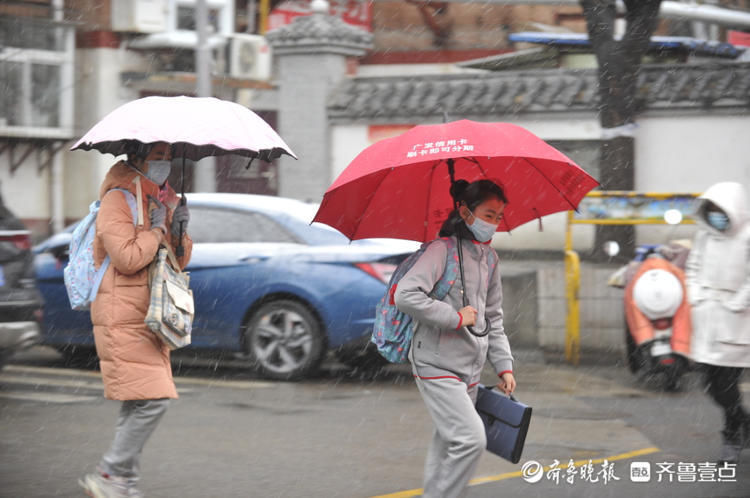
(180, 215)
(157, 213)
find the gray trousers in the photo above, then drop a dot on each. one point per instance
(458, 439)
(137, 420)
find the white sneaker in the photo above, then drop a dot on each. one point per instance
(97, 485)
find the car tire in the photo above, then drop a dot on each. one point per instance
(632, 354)
(284, 340)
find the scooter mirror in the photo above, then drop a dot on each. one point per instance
(673, 216)
(611, 248)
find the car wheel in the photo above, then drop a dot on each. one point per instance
(631, 352)
(284, 340)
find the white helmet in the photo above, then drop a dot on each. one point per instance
(658, 294)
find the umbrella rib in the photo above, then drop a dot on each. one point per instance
(479, 165)
(551, 183)
(429, 196)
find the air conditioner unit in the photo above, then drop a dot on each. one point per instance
(249, 57)
(139, 16)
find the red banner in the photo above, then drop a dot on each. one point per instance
(355, 12)
(738, 38)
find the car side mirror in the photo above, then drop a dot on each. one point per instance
(60, 252)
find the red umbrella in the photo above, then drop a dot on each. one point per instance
(399, 187)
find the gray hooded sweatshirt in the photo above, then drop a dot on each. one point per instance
(441, 348)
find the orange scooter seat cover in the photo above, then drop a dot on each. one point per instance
(641, 327)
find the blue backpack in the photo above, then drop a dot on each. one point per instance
(394, 329)
(82, 278)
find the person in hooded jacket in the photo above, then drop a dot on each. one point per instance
(447, 359)
(718, 283)
(135, 363)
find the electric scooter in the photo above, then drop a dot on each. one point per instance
(657, 329)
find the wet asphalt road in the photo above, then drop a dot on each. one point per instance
(346, 434)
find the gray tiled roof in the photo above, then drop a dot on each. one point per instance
(319, 29)
(535, 91)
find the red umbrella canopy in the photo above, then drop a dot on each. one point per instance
(399, 187)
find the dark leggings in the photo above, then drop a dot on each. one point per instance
(722, 384)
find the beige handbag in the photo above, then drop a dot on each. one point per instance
(170, 313)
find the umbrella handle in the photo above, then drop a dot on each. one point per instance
(180, 250)
(483, 333)
(463, 294)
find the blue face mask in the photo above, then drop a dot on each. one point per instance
(482, 230)
(158, 171)
(718, 220)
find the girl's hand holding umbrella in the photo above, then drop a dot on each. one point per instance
(468, 316)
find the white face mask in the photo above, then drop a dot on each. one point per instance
(482, 230)
(158, 171)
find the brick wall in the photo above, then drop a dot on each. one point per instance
(400, 26)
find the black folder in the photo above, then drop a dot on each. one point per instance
(506, 422)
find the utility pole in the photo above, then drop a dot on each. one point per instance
(57, 169)
(204, 171)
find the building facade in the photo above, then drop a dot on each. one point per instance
(333, 89)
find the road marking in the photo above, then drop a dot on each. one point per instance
(46, 397)
(510, 475)
(50, 381)
(95, 385)
(578, 463)
(233, 384)
(71, 372)
(60, 371)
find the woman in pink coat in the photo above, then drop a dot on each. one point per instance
(134, 362)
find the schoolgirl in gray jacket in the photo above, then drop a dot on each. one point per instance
(447, 359)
